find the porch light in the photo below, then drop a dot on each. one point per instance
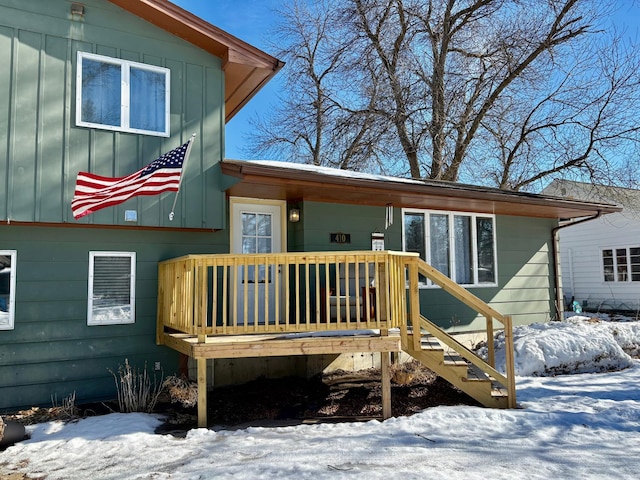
(294, 215)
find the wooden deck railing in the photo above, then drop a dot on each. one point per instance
(287, 292)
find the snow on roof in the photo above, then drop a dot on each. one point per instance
(334, 172)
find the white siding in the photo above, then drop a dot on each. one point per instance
(581, 260)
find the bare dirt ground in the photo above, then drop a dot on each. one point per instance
(335, 396)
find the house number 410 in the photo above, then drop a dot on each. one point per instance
(340, 238)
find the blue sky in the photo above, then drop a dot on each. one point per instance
(253, 20)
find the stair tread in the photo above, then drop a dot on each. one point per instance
(459, 371)
(499, 391)
(476, 374)
(427, 342)
(430, 344)
(455, 358)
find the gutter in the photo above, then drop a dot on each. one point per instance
(555, 242)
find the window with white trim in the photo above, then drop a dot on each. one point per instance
(7, 288)
(115, 94)
(112, 280)
(621, 264)
(460, 245)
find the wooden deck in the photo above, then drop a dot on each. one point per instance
(311, 303)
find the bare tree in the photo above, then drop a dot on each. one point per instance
(314, 120)
(501, 92)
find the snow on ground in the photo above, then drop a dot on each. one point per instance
(578, 345)
(576, 425)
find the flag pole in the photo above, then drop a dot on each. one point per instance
(184, 164)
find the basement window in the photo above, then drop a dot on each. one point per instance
(7, 288)
(112, 280)
(460, 245)
(121, 95)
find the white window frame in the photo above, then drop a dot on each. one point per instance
(92, 319)
(616, 272)
(9, 324)
(452, 260)
(125, 66)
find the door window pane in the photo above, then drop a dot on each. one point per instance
(249, 245)
(264, 225)
(264, 245)
(248, 225)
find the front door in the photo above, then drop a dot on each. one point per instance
(256, 228)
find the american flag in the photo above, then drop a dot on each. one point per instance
(94, 192)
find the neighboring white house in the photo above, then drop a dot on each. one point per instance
(600, 258)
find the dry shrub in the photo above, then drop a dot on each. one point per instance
(137, 390)
(67, 410)
(181, 390)
(1, 428)
(410, 372)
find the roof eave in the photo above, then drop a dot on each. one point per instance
(291, 184)
(247, 68)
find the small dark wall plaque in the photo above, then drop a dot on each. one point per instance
(340, 237)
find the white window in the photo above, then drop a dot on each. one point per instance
(621, 264)
(460, 245)
(120, 95)
(112, 280)
(7, 288)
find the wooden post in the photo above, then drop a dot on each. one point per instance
(386, 385)
(491, 355)
(202, 392)
(160, 304)
(414, 303)
(510, 362)
(383, 309)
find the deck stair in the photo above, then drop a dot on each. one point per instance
(461, 373)
(450, 359)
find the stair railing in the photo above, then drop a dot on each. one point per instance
(417, 267)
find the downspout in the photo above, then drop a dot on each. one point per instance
(555, 241)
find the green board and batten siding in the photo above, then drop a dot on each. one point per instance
(52, 350)
(41, 149)
(525, 279)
